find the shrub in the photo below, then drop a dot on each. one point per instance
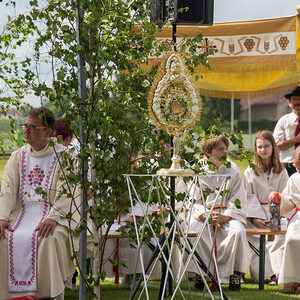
(256, 125)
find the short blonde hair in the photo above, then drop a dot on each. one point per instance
(214, 142)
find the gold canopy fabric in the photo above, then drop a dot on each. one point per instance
(253, 59)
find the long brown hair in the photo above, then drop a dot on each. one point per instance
(275, 163)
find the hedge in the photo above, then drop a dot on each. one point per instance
(256, 125)
(4, 125)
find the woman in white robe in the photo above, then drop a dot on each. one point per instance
(267, 176)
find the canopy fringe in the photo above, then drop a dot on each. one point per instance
(250, 94)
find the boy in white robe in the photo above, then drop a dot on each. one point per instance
(232, 250)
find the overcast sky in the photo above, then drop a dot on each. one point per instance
(224, 11)
(242, 10)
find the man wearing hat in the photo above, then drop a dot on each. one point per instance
(287, 131)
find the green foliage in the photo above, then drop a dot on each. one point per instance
(243, 125)
(237, 203)
(5, 125)
(214, 109)
(119, 136)
(41, 192)
(192, 152)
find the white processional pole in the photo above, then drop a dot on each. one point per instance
(232, 114)
(250, 122)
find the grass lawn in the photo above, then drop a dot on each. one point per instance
(3, 160)
(250, 291)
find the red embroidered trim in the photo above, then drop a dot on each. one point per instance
(36, 180)
(296, 210)
(36, 176)
(218, 207)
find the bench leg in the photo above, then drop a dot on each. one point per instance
(262, 243)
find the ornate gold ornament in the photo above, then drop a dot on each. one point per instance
(174, 105)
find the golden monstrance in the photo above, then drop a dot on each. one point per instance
(174, 105)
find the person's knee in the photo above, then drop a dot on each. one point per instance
(292, 242)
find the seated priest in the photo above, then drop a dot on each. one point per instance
(34, 231)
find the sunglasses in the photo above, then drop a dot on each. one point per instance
(33, 127)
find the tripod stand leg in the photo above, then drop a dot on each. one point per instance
(164, 274)
(163, 277)
(151, 260)
(203, 266)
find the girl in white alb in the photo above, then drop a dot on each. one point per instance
(267, 175)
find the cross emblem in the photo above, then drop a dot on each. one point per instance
(205, 45)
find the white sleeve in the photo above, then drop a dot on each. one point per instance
(279, 133)
(254, 209)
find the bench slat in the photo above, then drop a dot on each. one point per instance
(253, 231)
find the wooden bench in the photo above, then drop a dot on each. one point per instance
(119, 235)
(261, 252)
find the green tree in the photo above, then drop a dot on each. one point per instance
(116, 122)
(120, 138)
(215, 110)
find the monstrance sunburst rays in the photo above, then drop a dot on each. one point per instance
(174, 105)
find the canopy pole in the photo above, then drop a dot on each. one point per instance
(232, 114)
(249, 123)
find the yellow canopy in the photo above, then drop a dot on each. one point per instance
(254, 58)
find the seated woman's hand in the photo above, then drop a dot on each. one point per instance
(201, 218)
(259, 223)
(271, 197)
(215, 217)
(162, 209)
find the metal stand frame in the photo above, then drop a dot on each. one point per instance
(172, 231)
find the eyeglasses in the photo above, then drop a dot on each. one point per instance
(32, 127)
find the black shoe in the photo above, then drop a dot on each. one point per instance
(199, 284)
(274, 280)
(235, 281)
